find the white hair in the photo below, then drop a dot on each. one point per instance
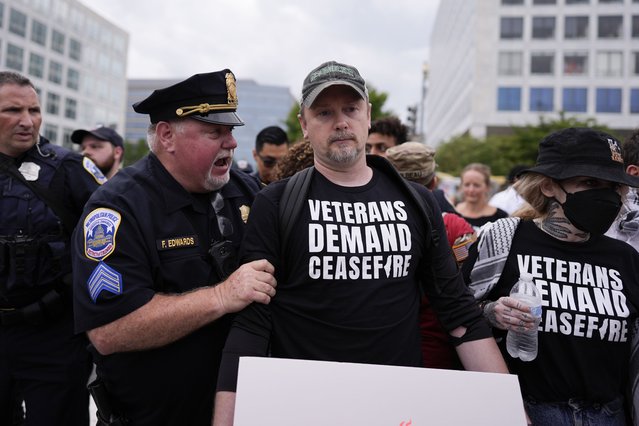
(151, 133)
(151, 136)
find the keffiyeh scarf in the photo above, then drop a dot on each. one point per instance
(495, 239)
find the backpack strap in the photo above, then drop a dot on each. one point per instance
(383, 164)
(296, 192)
(292, 201)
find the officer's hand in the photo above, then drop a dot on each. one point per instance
(251, 282)
(508, 313)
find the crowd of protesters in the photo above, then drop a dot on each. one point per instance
(181, 263)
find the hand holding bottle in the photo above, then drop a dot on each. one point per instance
(509, 313)
(521, 342)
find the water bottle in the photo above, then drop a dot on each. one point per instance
(523, 344)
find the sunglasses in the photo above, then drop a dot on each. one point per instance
(268, 161)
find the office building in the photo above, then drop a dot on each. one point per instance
(75, 58)
(259, 106)
(498, 63)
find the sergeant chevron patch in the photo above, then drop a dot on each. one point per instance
(104, 278)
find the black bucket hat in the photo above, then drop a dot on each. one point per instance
(576, 152)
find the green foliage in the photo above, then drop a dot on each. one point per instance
(454, 155)
(377, 99)
(293, 128)
(133, 151)
(502, 152)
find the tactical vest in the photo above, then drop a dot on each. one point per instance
(34, 248)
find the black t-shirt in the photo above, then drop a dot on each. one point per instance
(348, 284)
(588, 292)
(442, 201)
(141, 234)
(477, 222)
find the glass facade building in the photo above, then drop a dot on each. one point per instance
(259, 106)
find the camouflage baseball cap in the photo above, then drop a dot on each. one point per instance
(414, 161)
(330, 74)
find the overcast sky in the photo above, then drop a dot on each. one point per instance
(279, 41)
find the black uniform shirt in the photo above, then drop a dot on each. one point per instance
(140, 234)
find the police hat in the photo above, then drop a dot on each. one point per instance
(209, 97)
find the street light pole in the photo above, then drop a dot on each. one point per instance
(422, 134)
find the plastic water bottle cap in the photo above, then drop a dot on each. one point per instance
(525, 276)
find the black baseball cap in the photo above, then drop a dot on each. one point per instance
(583, 151)
(330, 74)
(102, 133)
(209, 97)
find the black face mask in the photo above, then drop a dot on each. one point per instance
(592, 210)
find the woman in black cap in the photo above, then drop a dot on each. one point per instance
(589, 283)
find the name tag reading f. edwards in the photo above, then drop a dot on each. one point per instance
(177, 242)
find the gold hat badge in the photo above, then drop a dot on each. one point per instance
(205, 108)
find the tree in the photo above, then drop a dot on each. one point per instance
(133, 151)
(377, 99)
(503, 152)
(293, 128)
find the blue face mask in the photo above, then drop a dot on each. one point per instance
(592, 210)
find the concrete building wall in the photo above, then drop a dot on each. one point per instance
(551, 65)
(76, 59)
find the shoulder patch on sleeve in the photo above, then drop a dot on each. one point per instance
(100, 228)
(104, 278)
(93, 170)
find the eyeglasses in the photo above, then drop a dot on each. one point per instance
(224, 224)
(268, 161)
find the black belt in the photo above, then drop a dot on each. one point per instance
(577, 403)
(49, 306)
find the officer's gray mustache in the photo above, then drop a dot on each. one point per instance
(223, 154)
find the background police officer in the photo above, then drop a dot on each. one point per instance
(41, 361)
(104, 146)
(152, 254)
